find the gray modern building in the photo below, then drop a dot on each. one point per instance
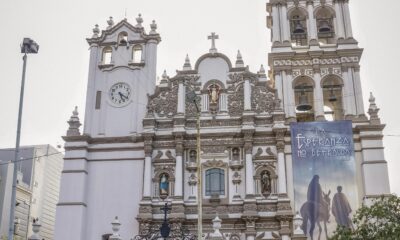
(38, 181)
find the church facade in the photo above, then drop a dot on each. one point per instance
(144, 145)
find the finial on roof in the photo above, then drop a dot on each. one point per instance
(139, 21)
(373, 110)
(262, 69)
(35, 228)
(74, 124)
(96, 31)
(153, 27)
(110, 23)
(239, 60)
(213, 37)
(116, 225)
(187, 66)
(164, 77)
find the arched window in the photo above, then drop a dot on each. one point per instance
(122, 38)
(325, 26)
(137, 54)
(107, 55)
(215, 182)
(298, 27)
(304, 99)
(333, 98)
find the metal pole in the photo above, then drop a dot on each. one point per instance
(199, 176)
(14, 187)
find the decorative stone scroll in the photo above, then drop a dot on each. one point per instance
(236, 102)
(262, 100)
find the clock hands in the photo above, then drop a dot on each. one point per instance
(123, 96)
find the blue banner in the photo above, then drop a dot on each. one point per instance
(324, 175)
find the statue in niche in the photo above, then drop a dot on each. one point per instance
(265, 183)
(235, 154)
(164, 185)
(214, 91)
(192, 156)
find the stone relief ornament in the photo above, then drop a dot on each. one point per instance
(163, 103)
(262, 100)
(214, 91)
(235, 102)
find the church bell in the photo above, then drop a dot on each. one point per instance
(299, 28)
(332, 96)
(304, 105)
(324, 27)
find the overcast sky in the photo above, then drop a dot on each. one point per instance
(57, 76)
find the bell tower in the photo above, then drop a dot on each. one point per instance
(122, 72)
(315, 60)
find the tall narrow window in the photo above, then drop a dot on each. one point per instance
(107, 55)
(98, 100)
(215, 182)
(137, 54)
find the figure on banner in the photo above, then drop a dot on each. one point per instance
(164, 184)
(341, 209)
(316, 209)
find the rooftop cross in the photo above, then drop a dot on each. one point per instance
(213, 37)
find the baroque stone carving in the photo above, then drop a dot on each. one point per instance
(262, 100)
(164, 102)
(214, 163)
(235, 102)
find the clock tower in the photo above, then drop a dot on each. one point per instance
(122, 72)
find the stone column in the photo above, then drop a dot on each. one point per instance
(179, 166)
(339, 20)
(318, 98)
(91, 93)
(247, 95)
(204, 105)
(348, 88)
(285, 24)
(280, 147)
(312, 26)
(289, 97)
(222, 103)
(181, 98)
(358, 92)
(276, 32)
(248, 147)
(279, 87)
(148, 149)
(346, 12)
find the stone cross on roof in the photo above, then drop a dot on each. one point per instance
(213, 37)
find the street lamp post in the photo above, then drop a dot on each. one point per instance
(28, 46)
(192, 97)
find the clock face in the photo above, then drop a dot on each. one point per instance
(120, 94)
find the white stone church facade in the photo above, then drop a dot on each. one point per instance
(138, 144)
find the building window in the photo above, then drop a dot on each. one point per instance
(137, 54)
(98, 100)
(215, 182)
(107, 55)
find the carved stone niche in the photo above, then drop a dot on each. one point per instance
(235, 163)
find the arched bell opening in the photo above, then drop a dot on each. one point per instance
(137, 52)
(123, 38)
(298, 27)
(325, 25)
(333, 98)
(304, 99)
